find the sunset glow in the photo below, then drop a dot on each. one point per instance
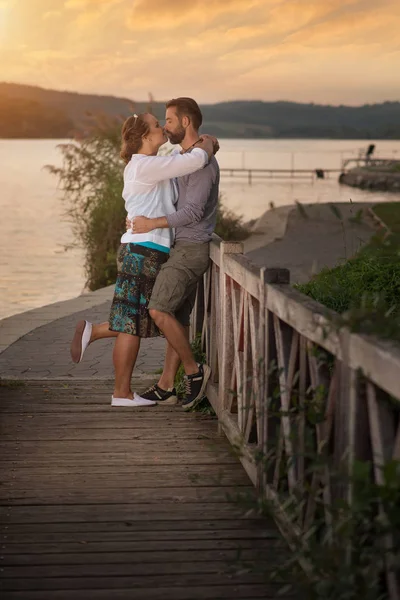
(324, 51)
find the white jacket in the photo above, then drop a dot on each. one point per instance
(150, 189)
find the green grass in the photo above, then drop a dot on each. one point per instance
(366, 287)
(11, 383)
(389, 213)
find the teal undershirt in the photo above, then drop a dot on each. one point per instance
(153, 246)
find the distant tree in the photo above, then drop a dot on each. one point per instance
(22, 118)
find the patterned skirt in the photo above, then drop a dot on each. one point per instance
(138, 268)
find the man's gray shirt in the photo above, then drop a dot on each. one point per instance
(195, 218)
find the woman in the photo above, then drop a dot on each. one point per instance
(149, 190)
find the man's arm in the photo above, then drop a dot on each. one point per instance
(199, 187)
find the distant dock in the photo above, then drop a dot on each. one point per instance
(252, 174)
(348, 166)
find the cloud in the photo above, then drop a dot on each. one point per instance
(162, 14)
(361, 28)
(90, 4)
(52, 14)
(214, 50)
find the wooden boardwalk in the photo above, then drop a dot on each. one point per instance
(102, 503)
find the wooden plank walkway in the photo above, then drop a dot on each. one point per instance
(102, 503)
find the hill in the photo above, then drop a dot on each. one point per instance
(30, 111)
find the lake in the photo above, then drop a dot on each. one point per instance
(35, 268)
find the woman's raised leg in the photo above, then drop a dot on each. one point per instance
(101, 331)
(85, 334)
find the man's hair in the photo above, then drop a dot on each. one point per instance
(187, 107)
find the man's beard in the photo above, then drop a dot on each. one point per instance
(176, 137)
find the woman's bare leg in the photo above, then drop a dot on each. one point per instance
(125, 353)
(85, 334)
(101, 331)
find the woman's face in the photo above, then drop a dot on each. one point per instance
(156, 135)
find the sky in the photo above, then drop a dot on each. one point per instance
(322, 51)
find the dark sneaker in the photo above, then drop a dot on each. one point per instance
(156, 394)
(195, 386)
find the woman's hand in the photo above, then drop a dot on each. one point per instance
(206, 143)
(214, 141)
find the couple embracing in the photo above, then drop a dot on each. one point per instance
(171, 203)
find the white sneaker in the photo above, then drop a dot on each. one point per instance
(131, 402)
(81, 340)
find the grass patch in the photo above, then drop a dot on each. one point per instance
(366, 288)
(389, 213)
(12, 383)
(229, 226)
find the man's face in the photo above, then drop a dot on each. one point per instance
(173, 126)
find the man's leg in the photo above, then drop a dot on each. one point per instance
(171, 366)
(175, 284)
(196, 375)
(177, 338)
(164, 391)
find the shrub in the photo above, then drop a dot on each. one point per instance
(91, 178)
(366, 287)
(230, 227)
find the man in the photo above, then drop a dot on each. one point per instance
(174, 292)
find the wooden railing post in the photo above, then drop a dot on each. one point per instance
(345, 419)
(274, 276)
(225, 335)
(198, 314)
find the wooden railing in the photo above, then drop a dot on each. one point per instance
(251, 320)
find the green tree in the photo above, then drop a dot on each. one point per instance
(91, 178)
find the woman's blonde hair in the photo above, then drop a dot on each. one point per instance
(133, 130)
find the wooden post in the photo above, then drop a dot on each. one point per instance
(277, 276)
(345, 418)
(226, 331)
(200, 307)
(198, 312)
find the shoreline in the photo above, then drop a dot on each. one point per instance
(16, 326)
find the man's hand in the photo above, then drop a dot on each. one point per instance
(142, 225)
(128, 225)
(139, 225)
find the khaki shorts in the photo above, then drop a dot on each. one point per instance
(175, 288)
